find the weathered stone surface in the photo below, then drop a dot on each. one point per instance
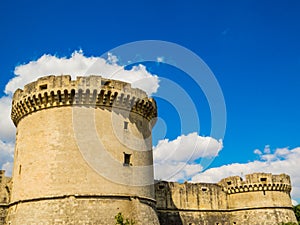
(72, 141)
(259, 199)
(84, 153)
(5, 186)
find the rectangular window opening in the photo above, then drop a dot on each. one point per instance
(43, 87)
(127, 159)
(125, 125)
(228, 182)
(263, 179)
(161, 187)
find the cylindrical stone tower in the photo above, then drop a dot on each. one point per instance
(83, 152)
(260, 195)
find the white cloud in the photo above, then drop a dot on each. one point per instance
(7, 128)
(267, 149)
(257, 152)
(160, 59)
(6, 156)
(187, 148)
(80, 65)
(283, 160)
(175, 160)
(7, 135)
(8, 167)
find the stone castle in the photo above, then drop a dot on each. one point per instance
(83, 154)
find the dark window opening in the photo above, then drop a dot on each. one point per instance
(204, 188)
(263, 179)
(125, 125)
(20, 168)
(43, 87)
(105, 82)
(234, 222)
(161, 186)
(59, 96)
(127, 159)
(229, 182)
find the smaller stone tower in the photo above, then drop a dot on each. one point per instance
(260, 197)
(83, 152)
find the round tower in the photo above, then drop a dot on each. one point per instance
(260, 195)
(83, 152)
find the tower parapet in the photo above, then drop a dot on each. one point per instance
(260, 195)
(262, 198)
(95, 91)
(256, 182)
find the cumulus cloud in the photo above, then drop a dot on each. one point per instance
(80, 65)
(176, 160)
(7, 128)
(282, 160)
(8, 167)
(6, 156)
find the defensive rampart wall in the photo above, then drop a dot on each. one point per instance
(259, 199)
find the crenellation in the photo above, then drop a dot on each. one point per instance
(53, 183)
(256, 182)
(93, 91)
(227, 202)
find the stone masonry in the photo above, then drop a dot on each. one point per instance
(84, 153)
(261, 198)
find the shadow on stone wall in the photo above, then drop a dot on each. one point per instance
(167, 211)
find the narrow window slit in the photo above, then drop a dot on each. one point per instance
(125, 125)
(127, 159)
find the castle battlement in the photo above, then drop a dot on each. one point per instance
(230, 201)
(256, 182)
(83, 155)
(91, 91)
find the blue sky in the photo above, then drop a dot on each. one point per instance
(252, 47)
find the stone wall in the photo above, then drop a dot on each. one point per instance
(77, 210)
(5, 186)
(190, 196)
(263, 216)
(259, 199)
